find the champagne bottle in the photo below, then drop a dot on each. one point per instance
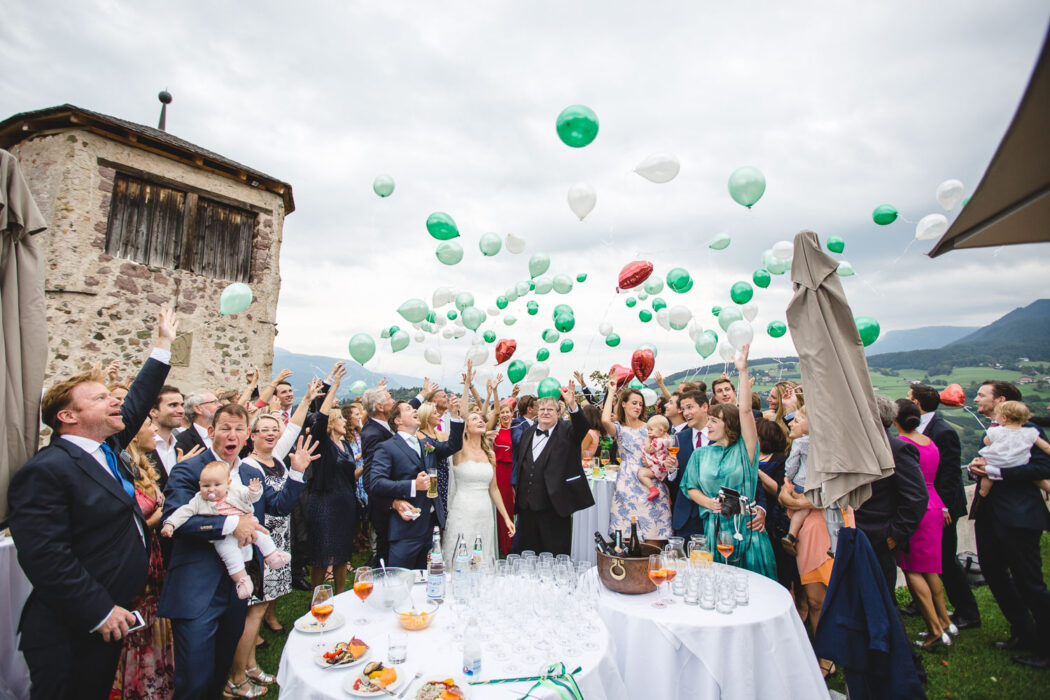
(603, 545)
(618, 548)
(634, 545)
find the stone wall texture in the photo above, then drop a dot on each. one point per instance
(101, 308)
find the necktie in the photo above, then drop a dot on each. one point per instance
(414, 441)
(111, 460)
(699, 437)
(284, 414)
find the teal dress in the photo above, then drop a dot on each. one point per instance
(712, 467)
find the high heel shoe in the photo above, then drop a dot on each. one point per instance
(932, 643)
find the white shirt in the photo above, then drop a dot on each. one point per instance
(386, 426)
(688, 434)
(166, 451)
(540, 441)
(203, 432)
(924, 420)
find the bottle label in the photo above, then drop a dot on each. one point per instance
(471, 665)
(436, 586)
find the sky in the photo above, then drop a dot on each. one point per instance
(842, 106)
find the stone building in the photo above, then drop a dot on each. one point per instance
(139, 218)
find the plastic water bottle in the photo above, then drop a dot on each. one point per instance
(472, 649)
(436, 571)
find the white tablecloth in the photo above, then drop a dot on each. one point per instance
(683, 651)
(14, 589)
(594, 519)
(434, 653)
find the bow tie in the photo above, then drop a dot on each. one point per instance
(545, 433)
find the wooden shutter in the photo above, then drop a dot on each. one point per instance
(145, 222)
(221, 245)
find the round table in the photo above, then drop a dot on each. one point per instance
(14, 589)
(434, 653)
(760, 650)
(594, 519)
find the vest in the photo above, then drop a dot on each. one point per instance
(532, 489)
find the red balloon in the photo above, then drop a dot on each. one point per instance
(504, 349)
(634, 273)
(642, 362)
(953, 395)
(621, 374)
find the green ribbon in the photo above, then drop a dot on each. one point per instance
(553, 677)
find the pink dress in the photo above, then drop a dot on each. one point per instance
(655, 459)
(924, 547)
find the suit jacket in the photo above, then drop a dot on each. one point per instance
(78, 542)
(560, 462)
(195, 570)
(1016, 501)
(394, 468)
(948, 482)
(188, 439)
(684, 506)
(898, 501)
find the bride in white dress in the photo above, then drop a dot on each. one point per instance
(474, 495)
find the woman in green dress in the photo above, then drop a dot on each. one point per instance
(731, 460)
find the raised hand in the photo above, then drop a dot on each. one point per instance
(453, 406)
(659, 379)
(180, 457)
(314, 389)
(579, 378)
(740, 360)
(282, 375)
(251, 377)
(568, 395)
(166, 327)
(113, 371)
(254, 485)
(305, 447)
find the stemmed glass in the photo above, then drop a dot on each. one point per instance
(362, 589)
(671, 564)
(321, 607)
(725, 544)
(658, 575)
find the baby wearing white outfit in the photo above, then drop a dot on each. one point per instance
(1009, 444)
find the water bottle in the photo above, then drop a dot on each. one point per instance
(472, 649)
(475, 566)
(436, 571)
(460, 564)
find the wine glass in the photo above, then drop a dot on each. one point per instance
(671, 564)
(671, 443)
(725, 544)
(603, 458)
(321, 607)
(658, 575)
(362, 589)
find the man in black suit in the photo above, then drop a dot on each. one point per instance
(200, 407)
(548, 475)
(377, 404)
(949, 486)
(80, 535)
(1009, 524)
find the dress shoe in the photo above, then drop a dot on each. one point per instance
(910, 610)
(1014, 642)
(1041, 661)
(965, 623)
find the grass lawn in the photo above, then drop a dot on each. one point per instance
(972, 668)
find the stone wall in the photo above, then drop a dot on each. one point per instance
(101, 308)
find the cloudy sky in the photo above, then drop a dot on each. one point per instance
(842, 106)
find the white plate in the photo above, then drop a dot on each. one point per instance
(320, 660)
(348, 685)
(308, 624)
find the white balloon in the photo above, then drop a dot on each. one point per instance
(931, 226)
(528, 388)
(605, 328)
(695, 329)
(483, 376)
(740, 334)
(432, 355)
(511, 293)
(440, 320)
(420, 336)
(643, 295)
(447, 333)
(663, 317)
(537, 372)
(459, 321)
(509, 320)
(544, 284)
(845, 269)
(442, 296)
(750, 310)
(522, 288)
(659, 168)
(493, 310)
(459, 332)
(726, 351)
(582, 199)
(679, 316)
(950, 193)
(783, 250)
(648, 395)
(514, 244)
(478, 354)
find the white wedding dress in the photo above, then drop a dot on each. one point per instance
(470, 509)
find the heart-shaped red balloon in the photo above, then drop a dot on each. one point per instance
(642, 362)
(634, 273)
(621, 374)
(953, 395)
(504, 349)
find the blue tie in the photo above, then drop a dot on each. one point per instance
(111, 460)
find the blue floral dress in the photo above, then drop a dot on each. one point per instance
(631, 495)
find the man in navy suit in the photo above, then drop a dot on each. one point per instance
(199, 597)
(80, 534)
(685, 514)
(399, 471)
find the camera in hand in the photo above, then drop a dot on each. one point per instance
(730, 501)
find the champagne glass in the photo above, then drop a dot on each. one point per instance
(671, 443)
(321, 607)
(362, 589)
(658, 575)
(671, 563)
(725, 544)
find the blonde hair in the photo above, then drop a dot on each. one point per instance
(660, 421)
(216, 465)
(486, 444)
(1014, 411)
(425, 413)
(60, 396)
(147, 473)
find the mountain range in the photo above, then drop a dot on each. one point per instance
(306, 367)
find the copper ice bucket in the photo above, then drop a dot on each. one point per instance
(627, 574)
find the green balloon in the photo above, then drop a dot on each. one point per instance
(706, 343)
(542, 354)
(549, 387)
(562, 284)
(489, 336)
(836, 244)
(362, 348)
(631, 301)
(645, 315)
(516, 371)
(543, 285)
(577, 126)
(464, 300)
(650, 346)
(884, 214)
(776, 329)
(532, 285)
(659, 303)
(449, 252)
(383, 185)
(582, 277)
(728, 315)
(741, 292)
(550, 335)
(509, 320)
(565, 322)
(747, 185)
(566, 345)
(761, 278)
(358, 387)
(398, 341)
(679, 280)
(720, 242)
(715, 310)
(532, 307)
(642, 295)
(561, 309)
(441, 226)
(235, 298)
(868, 328)
(393, 329)
(413, 310)
(612, 340)
(538, 264)
(845, 269)
(473, 317)
(774, 264)
(635, 384)
(431, 317)
(653, 285)
(966, 200)
(451, 315)
(501, 302)
(490, 244)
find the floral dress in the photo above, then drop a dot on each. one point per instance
(631, 495)
(276, 582)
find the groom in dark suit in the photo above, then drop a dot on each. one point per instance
(548, 476)
(399, 472)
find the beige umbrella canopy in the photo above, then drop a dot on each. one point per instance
(848, 445)
(1012, 202)
(23, 323)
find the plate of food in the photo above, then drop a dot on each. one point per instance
(309, 624)
(375, 680)
(440, 690)
(343, 654)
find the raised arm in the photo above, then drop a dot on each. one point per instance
(663, 387)
(748, 430)
(338, 372)
(490, 424)
(292, 431)
(607, 417)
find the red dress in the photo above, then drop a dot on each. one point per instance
(504, 466)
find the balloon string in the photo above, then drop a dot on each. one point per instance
(970, 411)
(906, 220)
(197, 328)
